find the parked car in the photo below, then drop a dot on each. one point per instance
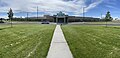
(45, 22)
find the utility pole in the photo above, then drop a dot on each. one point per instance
(83, 13)
(37, 12)
(27, 16)
(101, 15)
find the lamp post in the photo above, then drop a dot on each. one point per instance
(10, 15)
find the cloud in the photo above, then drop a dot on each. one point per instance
(48, 6)
(94, 4)
(110, 2)
(111, 6)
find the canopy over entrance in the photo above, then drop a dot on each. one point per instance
(61, 18)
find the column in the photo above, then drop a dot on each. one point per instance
(56, 20)
(64, 20)
(67, 20)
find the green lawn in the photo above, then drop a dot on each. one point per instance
(25, 40)
(93, 41)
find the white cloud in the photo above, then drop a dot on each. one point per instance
(94, 4)
(49, 6)
(4, 16)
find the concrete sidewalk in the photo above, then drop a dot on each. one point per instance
(59, 47)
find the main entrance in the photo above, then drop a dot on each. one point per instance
(60, 20)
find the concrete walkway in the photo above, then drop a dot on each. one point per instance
(59, 47)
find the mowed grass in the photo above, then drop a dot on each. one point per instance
(93, 41)
(25, 40)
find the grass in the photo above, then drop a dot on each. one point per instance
(93, 41)
(25, 40)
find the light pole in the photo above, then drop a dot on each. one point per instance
(27, 16)
(37, 12)
(83, 13)
(101, 15)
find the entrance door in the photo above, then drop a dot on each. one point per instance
(60, 20)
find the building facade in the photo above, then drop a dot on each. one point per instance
(63, 18)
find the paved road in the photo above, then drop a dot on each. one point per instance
(14, 23)
(73, 23)
(92, 24)
(59, 47)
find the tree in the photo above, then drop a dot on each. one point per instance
(10, 15)
(108, 17)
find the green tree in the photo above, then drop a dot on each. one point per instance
(10, 15)
(108, 17)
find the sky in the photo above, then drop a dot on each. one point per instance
(92, 8)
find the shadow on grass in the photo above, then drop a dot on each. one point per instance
(5, 28)
(113, 27)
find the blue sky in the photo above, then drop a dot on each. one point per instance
(93, 8)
